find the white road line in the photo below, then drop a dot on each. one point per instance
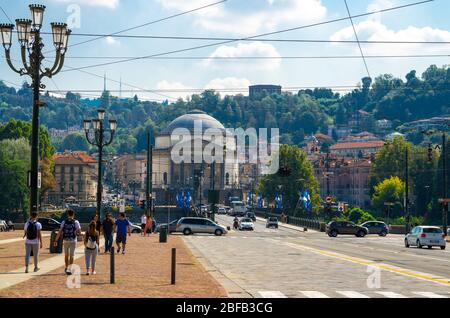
(391, 295)
(429, 295)
(314, 294)
(352, 294)
(271, 294)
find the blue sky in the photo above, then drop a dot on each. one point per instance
(237, 18)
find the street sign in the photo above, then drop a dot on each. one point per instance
(39, 180)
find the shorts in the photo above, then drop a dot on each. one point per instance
(142, 226)
(121, 238)
(69, 248)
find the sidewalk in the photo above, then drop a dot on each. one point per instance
(143, 272)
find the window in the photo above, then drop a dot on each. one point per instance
(165, 177)
(227, 179)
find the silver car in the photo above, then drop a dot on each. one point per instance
(429, 236)
(190, 226)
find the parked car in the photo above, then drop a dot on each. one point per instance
(49, 224)
(246, 224)
(251, 215)
(272, 222)
(172, 227)
(336, 228)
(429, 236)
(376, 227)
(189, 225)
(3, 226)
(135, 228)
(228, 209)
(221, 211)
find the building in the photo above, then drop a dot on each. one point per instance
(129, 173)
(76, 178)
(256, 90)
(196, 176)
(356, 149)
(344, 178)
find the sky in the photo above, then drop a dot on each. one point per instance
(232, 19)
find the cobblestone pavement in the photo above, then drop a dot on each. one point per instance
(288, 263)
(143, 272)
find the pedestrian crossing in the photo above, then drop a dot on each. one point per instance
(350, 294)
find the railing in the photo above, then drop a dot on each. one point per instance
(309, 223)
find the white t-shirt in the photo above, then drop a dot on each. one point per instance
(77, 228)
(38, 227)
(143, 219)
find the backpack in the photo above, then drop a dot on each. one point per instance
(91, 242)
(69, 230)
(32, 231)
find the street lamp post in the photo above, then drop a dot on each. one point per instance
(100, 137)
(29, 36)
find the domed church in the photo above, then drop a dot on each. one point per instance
(196, 176)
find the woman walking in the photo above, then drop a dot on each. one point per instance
(148, 225)
(91, 243)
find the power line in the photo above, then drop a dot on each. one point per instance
(250, 37)
(357, 38)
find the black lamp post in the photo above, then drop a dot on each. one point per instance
(98, 136)
(29, 36)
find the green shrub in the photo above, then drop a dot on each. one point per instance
(358, 215)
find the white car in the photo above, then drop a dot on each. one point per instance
(3, 226)
(246, 224)
(221, 211)
(429, 236)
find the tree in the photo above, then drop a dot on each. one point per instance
(301, 178)
(389, 190)
(358, 215)
(74, 142)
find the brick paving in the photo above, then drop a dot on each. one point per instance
(143, 272)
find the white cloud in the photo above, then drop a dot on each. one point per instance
(376, 31)
(112, 41)
(110, 4)
(253, 49)
(173, 89)
(277, 12)
(229, 83)
(378, 5)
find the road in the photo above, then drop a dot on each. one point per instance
(290, 263)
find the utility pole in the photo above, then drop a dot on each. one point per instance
(149, 179)
(408, 221)
(444, 171)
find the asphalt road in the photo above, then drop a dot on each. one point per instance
(291, 263)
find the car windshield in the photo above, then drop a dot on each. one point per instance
(432, 230)
(247, 220)
(273, 220)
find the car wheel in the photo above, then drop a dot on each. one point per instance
(383, 233)
(187, 232)
(218, 232)
(418, 244)
(333, 233)
(406, 243)
(430, 247)
(442, 247)
(135, 231)
(361, 234)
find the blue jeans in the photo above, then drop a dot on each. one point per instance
(108, 242)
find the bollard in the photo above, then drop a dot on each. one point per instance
(112, 267)
(174, 266)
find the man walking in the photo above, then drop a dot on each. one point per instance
(108, 230)
(122, 227)
(70, 229)
(33, 242)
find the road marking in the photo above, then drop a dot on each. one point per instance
(429, 295)
(386, 267)
(272, 294)
(391, 295)
(352, 294)
(313, 294)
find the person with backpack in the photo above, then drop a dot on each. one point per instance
(69, 230)
(122, 227)
(108, 232)
(91, 246)
(33, 242)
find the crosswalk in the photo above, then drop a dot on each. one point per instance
(351, 294)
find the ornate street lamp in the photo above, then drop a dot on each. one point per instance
(29, 37)
(100, 137)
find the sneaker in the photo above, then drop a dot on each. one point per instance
(87, 273)
(118, 250)
(123, 252)
(36, 269)
(94, 273)
(68, 272)
(26, 270)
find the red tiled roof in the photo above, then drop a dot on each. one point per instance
(73, 158)
(357, 145)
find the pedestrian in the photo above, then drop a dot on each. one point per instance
(122, 227)
(148, 226)
(91, 244)
(108, 232)
(143, 223)
(154, 226)
(32, 231)
(69, 230)
(98, 223)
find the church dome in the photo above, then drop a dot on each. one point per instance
(188, 122)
